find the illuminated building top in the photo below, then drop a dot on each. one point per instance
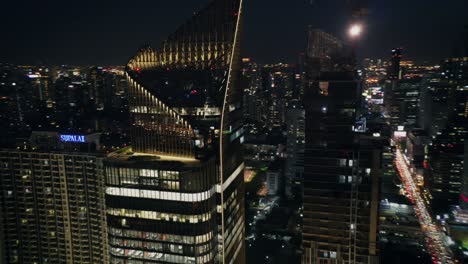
(180, 94)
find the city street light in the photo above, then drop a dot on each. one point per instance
(355, 30)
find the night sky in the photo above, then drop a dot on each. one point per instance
(108, 32)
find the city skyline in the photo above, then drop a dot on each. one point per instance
(234, 131)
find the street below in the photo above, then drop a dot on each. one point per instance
(440, 253)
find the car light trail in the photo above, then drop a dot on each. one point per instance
(434, 236)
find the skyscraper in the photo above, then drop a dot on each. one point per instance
(294, 150)
(405, 102)
(177, 195)
(341, 170)
(447, 152)
(394, 68)
(434, 105)
(52, 201)
(253, 94)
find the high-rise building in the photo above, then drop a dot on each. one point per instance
(446, 174)
(101, 87)
(52, 201)
(447, 154)
(341, 169)
(294, 168)
(253, 94)
(402, 100)
(340, 177)
(392, 103)
(394, 70)
(41, 83)
(17, 96)
(458, 221)
(177, 195)
(434, 105)
(278, 85)
(407, 98)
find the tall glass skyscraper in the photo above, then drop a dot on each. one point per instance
(177, 195)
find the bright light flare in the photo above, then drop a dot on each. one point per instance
(355, 30)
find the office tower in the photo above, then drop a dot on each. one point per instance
(40, 84)
(434, 106)
(394, 70)
(176, 196)
(96, 82)
(458, 222)
(389, 189)
(295, 116)
(115, 93)
(446, 170)
(279, 87)
(341, 170)
(71, 102)
(406, 97)
(447, 153)
(340, 177)
(298, 84)
(53, 201)
(391, 105)
(16, 88)
(402, 102)
(101, 86)
(253, 95)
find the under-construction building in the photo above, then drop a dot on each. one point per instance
(341, 170)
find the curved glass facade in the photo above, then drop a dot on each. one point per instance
(176, 196)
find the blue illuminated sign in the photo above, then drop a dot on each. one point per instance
(72, 138)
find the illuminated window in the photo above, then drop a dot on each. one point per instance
(149, 173)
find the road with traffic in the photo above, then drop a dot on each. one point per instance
(440, 252)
